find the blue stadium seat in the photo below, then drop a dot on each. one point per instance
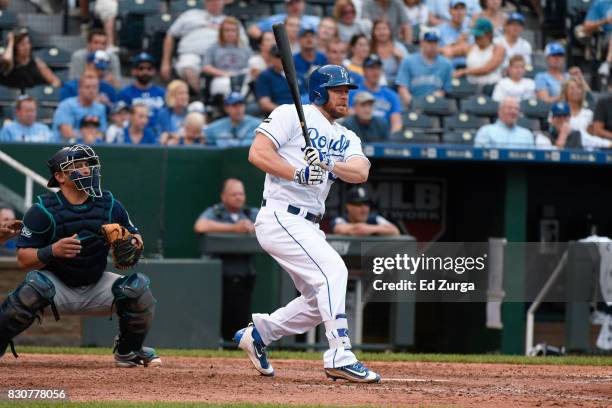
(432, 105)
(42, 23)
(420, 122)
(465, 137)
(8, 95)
(462, 88)
(140, 7)
(8, 20)
(464, 121)
(179, 6)
(535, 108)
(54, 57)
(531, 124)
(45, 95)
(409, 136)
(480, 105)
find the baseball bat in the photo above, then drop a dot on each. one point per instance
(282, 42)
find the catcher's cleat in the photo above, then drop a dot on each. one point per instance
(249, 340)
(146, 356)
(4, 344)
(354, 372)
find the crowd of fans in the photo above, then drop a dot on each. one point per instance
(397, 52)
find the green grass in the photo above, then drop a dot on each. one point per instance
(301, 355)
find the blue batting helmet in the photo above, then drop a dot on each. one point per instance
(325, 77)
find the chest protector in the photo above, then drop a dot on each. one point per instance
(84, 220)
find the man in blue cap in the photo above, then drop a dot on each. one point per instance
(562, 134)
(142, 90)
(308, 55)
(98, 62)
(426, 72)
(549, 83)
(455, 38)
(511, 40)
(387, 102)
(237, 128)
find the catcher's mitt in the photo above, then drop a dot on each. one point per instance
(125, 248)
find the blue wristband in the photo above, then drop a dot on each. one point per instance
(45, 255)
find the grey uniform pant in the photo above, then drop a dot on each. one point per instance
(91, 300)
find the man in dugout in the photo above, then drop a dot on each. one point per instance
(232, 216)
(359, 220)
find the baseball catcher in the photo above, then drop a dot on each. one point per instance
(64, 244)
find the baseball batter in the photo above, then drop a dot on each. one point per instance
(297, 182)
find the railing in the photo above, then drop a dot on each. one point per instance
(30, 175)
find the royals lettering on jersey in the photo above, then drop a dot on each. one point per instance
(283, 128)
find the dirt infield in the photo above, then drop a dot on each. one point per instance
(88, 378)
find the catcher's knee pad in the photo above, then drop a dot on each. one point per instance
(135, 307)
(21, 307)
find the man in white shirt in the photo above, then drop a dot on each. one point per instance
(504, 132)
(515, 85)
(511, 40)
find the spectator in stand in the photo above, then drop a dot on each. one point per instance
(336, 55)
(97, 40)
(387, 103)
(549, 83)
(359, 219)
(602, 121)
(368, 127)
(89, 131)
(292, 25)
(142, 90)
(308, 55)
(24, 128)
(294, 8)
(599, 17)
(349, 25)
(192, 132)
(236, 129)
(19, 69)
(196, 31)
(505, 132)
(426, 72)
(8, 247)
(360, 49)
(227, 58)
(511, 40)
(390, 52)
(492, 11)
(394, 13)
(98, 63)
(417, 12)
(563, 135)
(119, 118)
(137, 132)
(326, 32)
(484, 59)
(455, 38)
(515, 84)
(574, 93)
(71, 111)
(271, 87)
(439, 10)
(262, 60)
(106, 10)
(170, 117)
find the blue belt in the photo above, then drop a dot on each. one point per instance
(291, 209)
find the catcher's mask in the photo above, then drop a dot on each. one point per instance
(64, 160)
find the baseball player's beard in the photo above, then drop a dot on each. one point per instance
(336, 112)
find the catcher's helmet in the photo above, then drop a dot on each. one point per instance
(325, 77)
(64, 159)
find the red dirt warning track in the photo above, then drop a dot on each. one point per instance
(89, 378)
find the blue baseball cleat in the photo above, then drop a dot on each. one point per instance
(146, 356)
(249, 340)
(354, 372)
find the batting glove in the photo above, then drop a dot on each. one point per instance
(309, 176)
(316, 158)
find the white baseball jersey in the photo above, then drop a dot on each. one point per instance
(333, 139)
